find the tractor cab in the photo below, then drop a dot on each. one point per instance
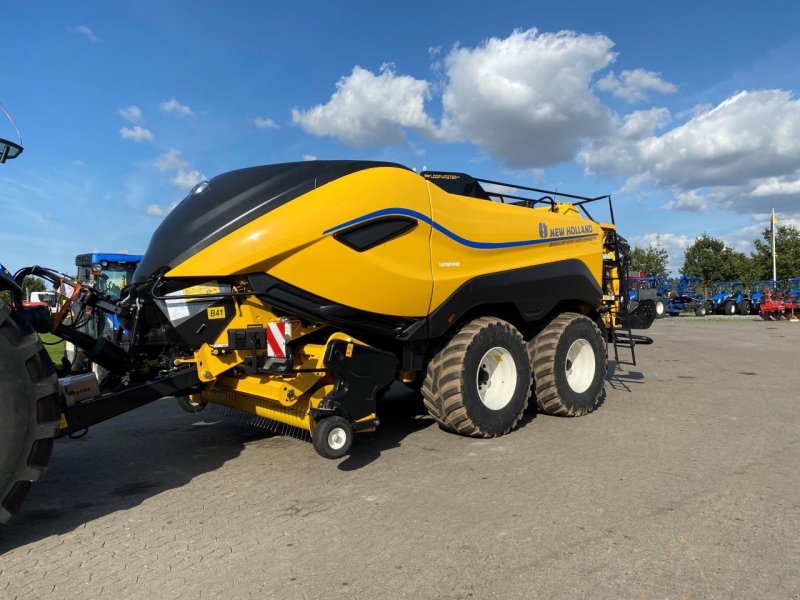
(109, 274)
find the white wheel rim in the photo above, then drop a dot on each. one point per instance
(496, 378)
(659, 308)
(580, 365)
(337, 438)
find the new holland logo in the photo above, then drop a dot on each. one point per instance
(542, 230)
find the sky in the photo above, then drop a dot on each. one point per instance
(687, 112)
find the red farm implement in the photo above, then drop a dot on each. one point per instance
(778, 309)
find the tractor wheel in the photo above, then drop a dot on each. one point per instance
(743, 308)
(661, 309)
(29, 409)
(701, 311)
(332, 437)
(569, 363)
(729, 308)
(479, 383)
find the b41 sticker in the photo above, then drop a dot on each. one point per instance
(216, 312)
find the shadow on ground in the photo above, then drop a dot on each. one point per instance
(401, 413)
(620, 377)
(118, 465)
(122, 463)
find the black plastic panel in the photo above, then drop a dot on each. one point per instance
(364, 236)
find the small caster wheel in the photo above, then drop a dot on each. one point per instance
(332, 437)
(189, 405)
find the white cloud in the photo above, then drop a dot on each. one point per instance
(132, 114)
(633, 85)
(741, 155)
(674, 244)
(154, 210)
(309, 157)
(86, 32)
(619, 153)
(527, 99)
(183, 176)
(778, 186)
(265, 123)
(690, 201)
(174, 107)
(137, 134)
(187, 179)
(749, 135)
(171, 161)
(370, 109)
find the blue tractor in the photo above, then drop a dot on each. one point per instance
(757, 296)
(793, 289)
(686, 297)
(109, 273)
(729, 298)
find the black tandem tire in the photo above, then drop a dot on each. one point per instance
(569, 361)
(29, 409)
(743, 308)
(701, 311)
(479, 383)
(332, 437)
(729, 308)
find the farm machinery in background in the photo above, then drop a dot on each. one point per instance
(108, 273)
(729, 298)
(760, 290)
(652, 288)
(686, 297)
(793, 289)
(779, 308)
(778, 305)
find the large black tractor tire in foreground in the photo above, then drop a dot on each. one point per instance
(28, 409)
(478, 384)
(569, 360)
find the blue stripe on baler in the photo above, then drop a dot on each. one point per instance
(405, 212)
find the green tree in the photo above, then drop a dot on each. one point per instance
(712, 260)
(29, 284)
(787, 250)
(33, 284)
(651, 260)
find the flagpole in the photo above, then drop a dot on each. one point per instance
(774, 263)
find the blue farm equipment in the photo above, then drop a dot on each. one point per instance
(686, 297)
(758, 293)
(793, 289)
(109, 274)
(647, 288)
(729, 298)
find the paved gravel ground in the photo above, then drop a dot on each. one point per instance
(684, 484)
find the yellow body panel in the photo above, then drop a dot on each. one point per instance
(485, 222)
(412, 274)
(288, 243)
